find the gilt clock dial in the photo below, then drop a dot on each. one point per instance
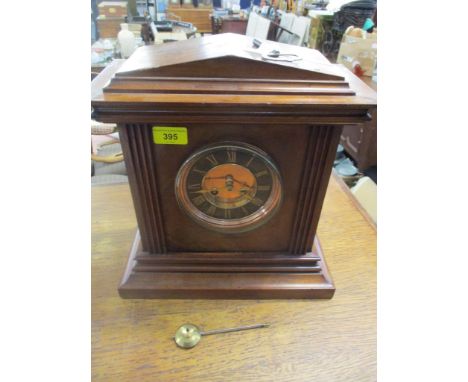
(229, 187)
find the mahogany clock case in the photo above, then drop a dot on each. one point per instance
(182, 234)
(175, 257)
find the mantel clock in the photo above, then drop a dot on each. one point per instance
(228, 156)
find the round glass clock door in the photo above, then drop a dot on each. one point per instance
(229, 187)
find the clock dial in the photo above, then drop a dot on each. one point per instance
(229, 187)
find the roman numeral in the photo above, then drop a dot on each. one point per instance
(261, 173)
(257, 202)
(198, 200)
(211, 158)
(199, 171)
(227, 214)
(231, 156)
(263, 188)
(194, 186)
(244, 210)
(211, 210)
(250, 161)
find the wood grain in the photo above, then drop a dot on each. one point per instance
(207, 278)
(199, 17)
(230, 24)
(319, 340)
(217, 56)
(136, 143)
(152, 179)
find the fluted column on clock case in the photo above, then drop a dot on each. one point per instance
(138, 153)
(321, 151)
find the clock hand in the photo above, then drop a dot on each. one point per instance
(245, 186)
(242, 183)
(248, 196)
(224, 177)
(207, 191)
(200, 192)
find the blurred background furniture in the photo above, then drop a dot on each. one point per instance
(199, 17)
(107, 164)
(284, 27)
(360, 142)
(328, 26)
(111, 15)
(292, 29)
(365, 191)
(173, 30)
(355, 14)
(257, 26)
(229, 24)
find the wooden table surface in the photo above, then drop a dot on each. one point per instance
(309, 340)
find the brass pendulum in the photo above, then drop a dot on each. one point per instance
(188, 335)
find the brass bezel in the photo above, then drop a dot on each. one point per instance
(258, 218)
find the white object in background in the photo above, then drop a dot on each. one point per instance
(234, 4)
(365, 192)
(335, 5)
(301, 27)
(154, 30)
(263, 26)
(319, 12)
(287, 20)
(251, 24)
(257, 26)
(152, 12)
(126, 41)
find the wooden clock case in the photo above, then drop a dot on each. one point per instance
(221, 89)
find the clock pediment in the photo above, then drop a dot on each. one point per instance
(226, 55)
(224, 74)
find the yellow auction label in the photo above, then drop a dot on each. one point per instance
(163, 135)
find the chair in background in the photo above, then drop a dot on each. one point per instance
(286, 23)
(301, 27)
(216, 24)
(257, 26)
(297, 29)
(107, 164)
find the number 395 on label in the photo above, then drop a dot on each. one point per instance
(163, 135)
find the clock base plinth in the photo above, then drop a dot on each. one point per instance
(226, 275)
